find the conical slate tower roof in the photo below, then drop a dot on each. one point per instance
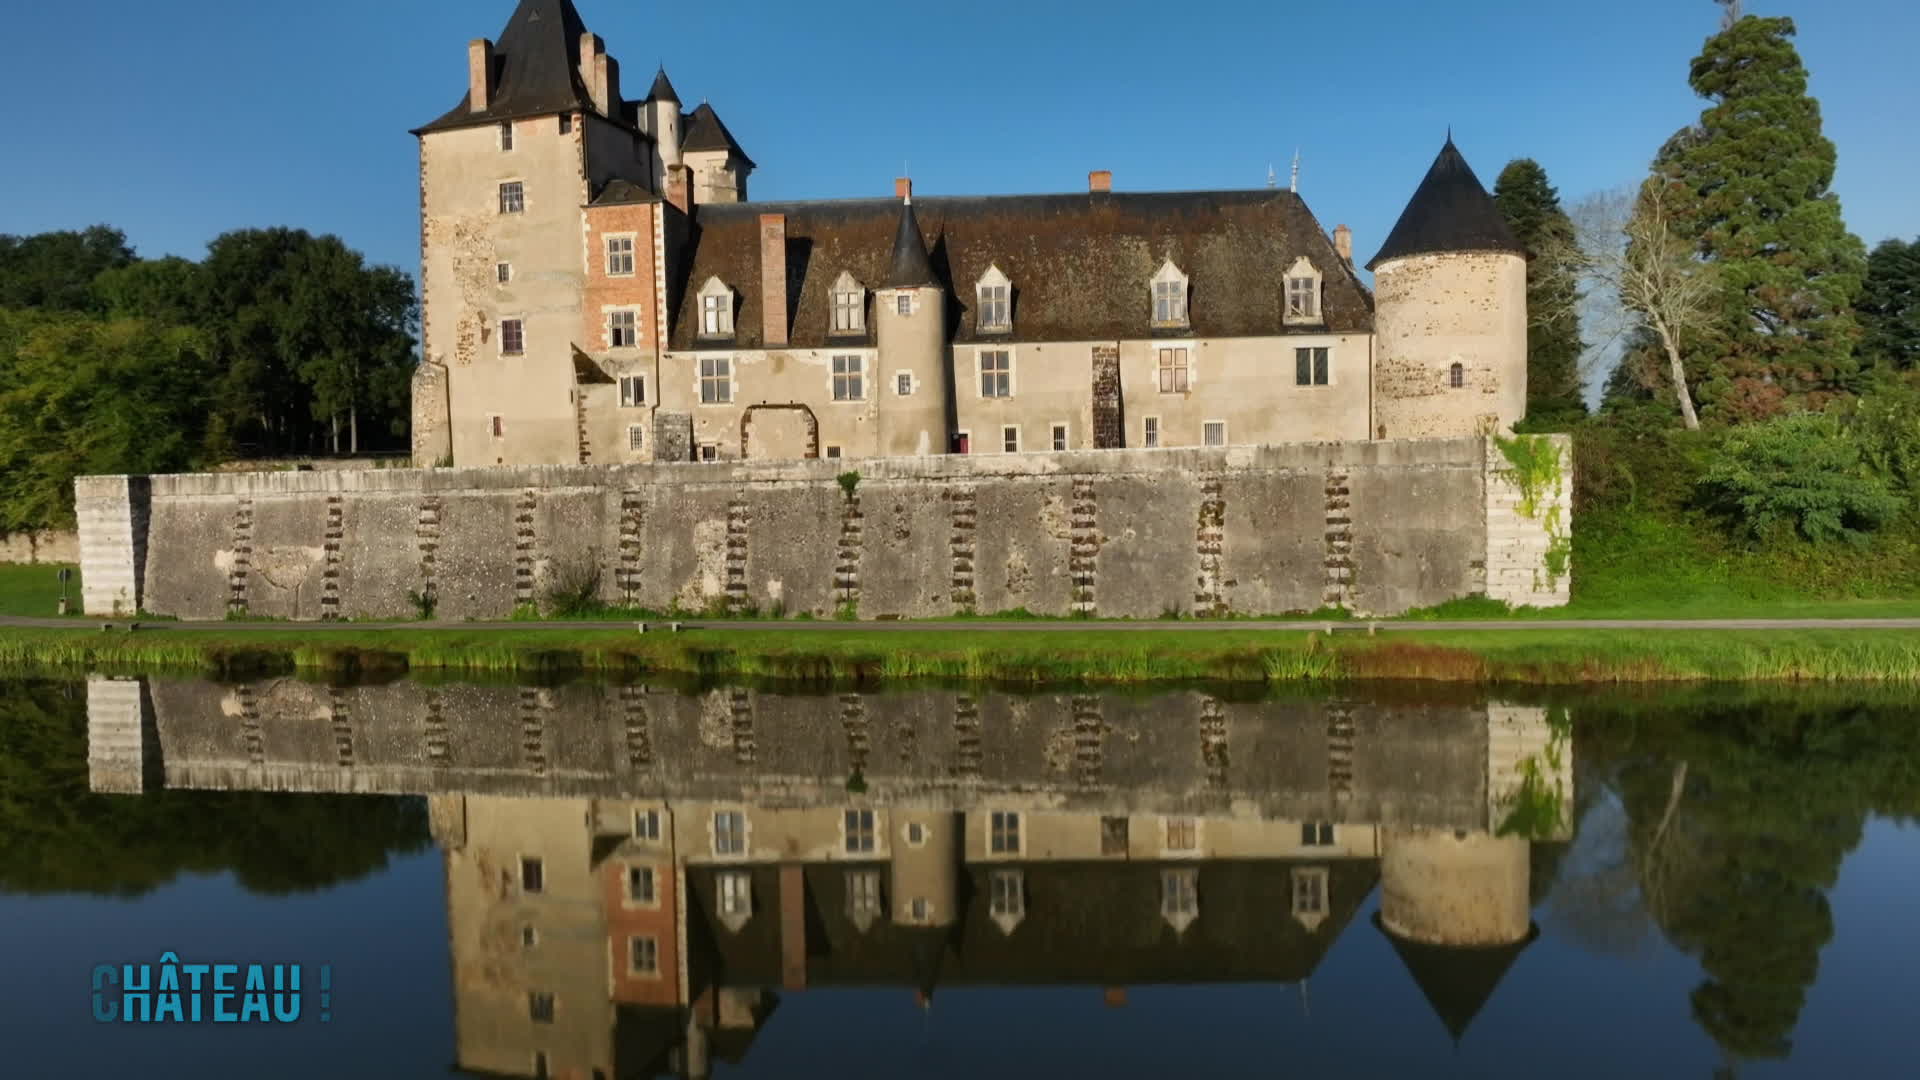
(911, 266)
(1450, 211)
(1457, 981)
(662, 89)
(536, 67)
(704, 131)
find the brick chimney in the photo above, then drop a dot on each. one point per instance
(680, 187)
(1100, 180)
(773, 279)
(902, 188)
(479, 74)
(1343, 242)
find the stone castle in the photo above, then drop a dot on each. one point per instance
(597, 289)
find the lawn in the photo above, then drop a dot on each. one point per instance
(35, 590)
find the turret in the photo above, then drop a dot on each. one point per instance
(910, 328)
(1450, 321)
(925, 890)
(720, 167)
(660, 117)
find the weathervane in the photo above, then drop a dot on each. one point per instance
(1273, 180)
(1294, 184)
(1733, 13)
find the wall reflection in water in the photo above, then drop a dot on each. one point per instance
(634, 877)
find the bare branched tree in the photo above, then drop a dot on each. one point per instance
(1641, 275)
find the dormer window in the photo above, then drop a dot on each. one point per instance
(716, 309)
(1169, 296)
(1303, 292)
(849, 305)
(996, 301)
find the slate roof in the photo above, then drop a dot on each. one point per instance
(1080, 264)
(662, 89)
(536, 68)
(911, 266)
(1457, 982)
(704, 131)
(1449, 211)
(618, 192)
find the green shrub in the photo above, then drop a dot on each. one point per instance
(1887, 425)
(1804, 471)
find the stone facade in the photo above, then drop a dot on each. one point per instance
(1378, 527)
(40, 546)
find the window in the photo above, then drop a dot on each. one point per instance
(1059, 436)
(849, 383)
(1173, 371)
(540, 1006)
(623, 329)
(736, 895)
(540, 1065)
(996, 301)
(1303, 298)
(1316, 833)
(1310, 367)
(1457, 376)
(1113, 836)
(716, 380)
(503, 271)
(633, 391)
(903, 384)
(1310, 891)
(1179, 892)
(513, 198)
(1010, 439)
(1150, 432)
(849, 306)
(716, 309)
(1183, 834)
(709, 452)
(566, 123)
(619, 256)
(533, 875)
(506, 135)
(859, 831)
(643, 955)
(513, 337)
(1170, 302)
(1004, 834)
(903, 304)
(646, 824)
(640, 885)
(996, 373)
(920, 910)
(863, 894)
(497, 426)
(1213, 433)
(1006, 894)
(729, 833)
(529, 937)
(916, 834)
(833, 453)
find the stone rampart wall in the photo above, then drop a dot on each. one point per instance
(1375, 527)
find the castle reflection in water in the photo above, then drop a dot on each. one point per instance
(634, 876)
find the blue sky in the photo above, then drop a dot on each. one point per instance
(180, 120)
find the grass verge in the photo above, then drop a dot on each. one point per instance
(1542, 656)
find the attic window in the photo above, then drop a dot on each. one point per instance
(1169, 296)
(506, 136)
(1303, 292)
(716, 309)
(996, 301)
(849, 305)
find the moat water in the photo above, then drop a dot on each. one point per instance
(590, 880)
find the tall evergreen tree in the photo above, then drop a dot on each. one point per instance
(1532, 207)
(1752, 183)
(1890, 306)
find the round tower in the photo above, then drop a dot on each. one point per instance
(925, 886)
(1455, 887)
(910, 332)
(1450, 313)
(663, 118)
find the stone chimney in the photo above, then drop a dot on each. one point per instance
(902, 188)
(610, 78)
(479, 74)
(680, 186)
(1100, 180)
(773, 279)
(593, 69)
(1343, 242)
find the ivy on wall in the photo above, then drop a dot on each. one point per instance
(1536, 469)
